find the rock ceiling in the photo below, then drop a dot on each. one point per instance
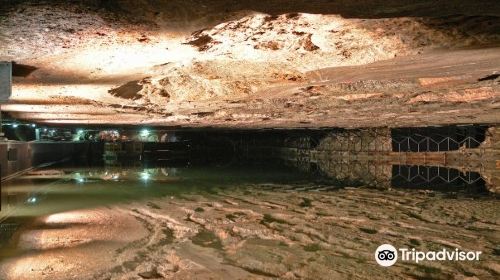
(253, 65)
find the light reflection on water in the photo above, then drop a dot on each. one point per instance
(53, 190)
(242, 214)
(48, 191)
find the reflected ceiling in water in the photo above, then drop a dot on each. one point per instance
(236, 207)
(231, 222)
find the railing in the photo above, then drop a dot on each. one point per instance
(427, 174)
(427, 144)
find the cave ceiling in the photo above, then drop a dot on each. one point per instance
(253, 64)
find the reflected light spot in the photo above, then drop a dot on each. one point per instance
(145, 176)
(61, 218)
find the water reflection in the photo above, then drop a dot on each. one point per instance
(384, 175)
(53, 190)
(295, 219)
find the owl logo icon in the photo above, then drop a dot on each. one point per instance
(386, 255)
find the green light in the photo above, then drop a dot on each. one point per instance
(144, 132)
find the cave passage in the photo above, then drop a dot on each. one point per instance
(225, 139)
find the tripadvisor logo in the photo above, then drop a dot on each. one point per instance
(388, 255)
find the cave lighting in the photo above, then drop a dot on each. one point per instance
(145, 132)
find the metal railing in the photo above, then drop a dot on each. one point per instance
(428, 144)
(428, 174)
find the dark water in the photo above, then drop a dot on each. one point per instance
(56, 189)
(52, 190)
